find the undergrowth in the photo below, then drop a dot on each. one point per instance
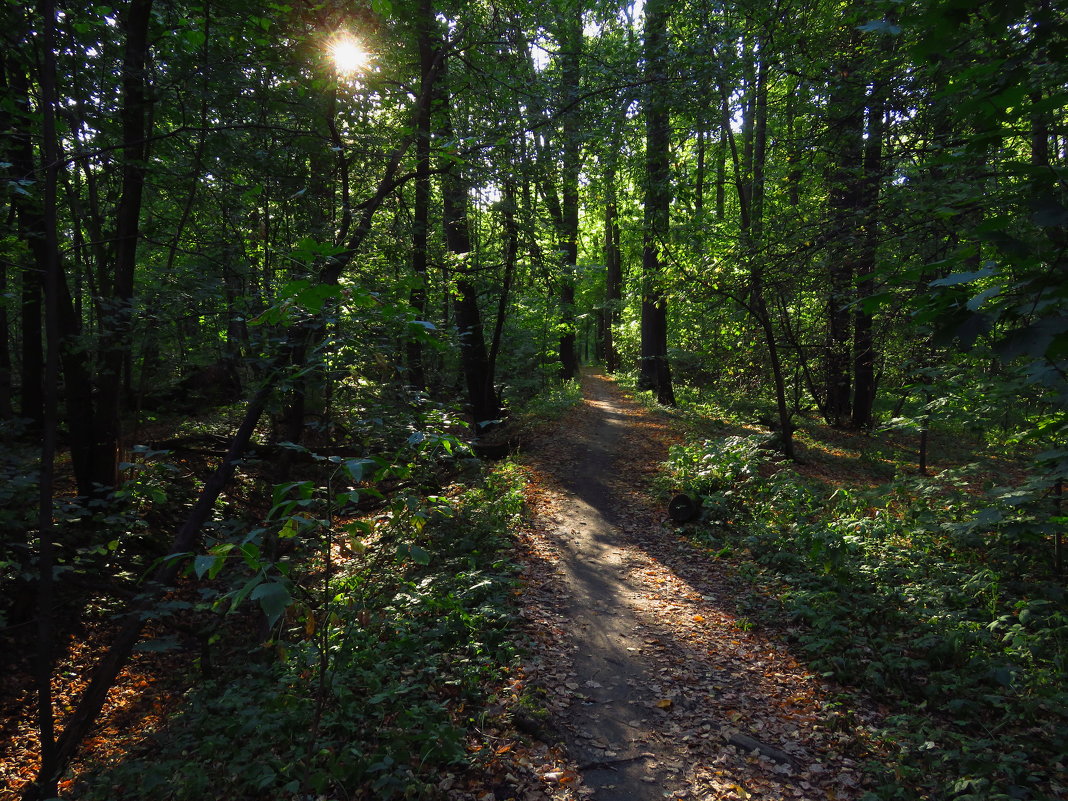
(933, 598)
(394, 636)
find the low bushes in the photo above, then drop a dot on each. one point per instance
(936, 599)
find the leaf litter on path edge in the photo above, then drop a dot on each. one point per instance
(727, 712)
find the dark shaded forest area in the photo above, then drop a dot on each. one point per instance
(280, 282)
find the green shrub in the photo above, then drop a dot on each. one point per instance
(933, 598)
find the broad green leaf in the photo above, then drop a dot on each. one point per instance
(1049, 214)
(359, 469)
(274, 598)
(962, 278)
(204, 563)
(882, 26)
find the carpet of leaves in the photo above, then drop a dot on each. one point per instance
(137, 705)
(744, 717)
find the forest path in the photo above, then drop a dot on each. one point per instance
(655, 684)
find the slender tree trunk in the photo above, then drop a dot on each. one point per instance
(421, 212)
(655, 371)
(19, 153)
(45, 655)
(613, 288)
(721, 175)
(483, 403)
(6, 409)
(511, 254)
(699, 178)
(749, 182)
(755, 236)
(572, 38)
(846, 115)
(117, 320)
(863, 338)
(6, 383)
(31, 380)
(33, 229)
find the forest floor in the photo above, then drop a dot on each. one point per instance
(652, 675)
(649, 670)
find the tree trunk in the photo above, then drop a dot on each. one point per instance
(846, 120)
(511, 255)
(655, 371)
(6, 409)
(421, 211)
(863, 339)
(31, 379)
(613, 282)
(483, 403)
(33, 228)
(19, 153)
(49, 259)
(721, 175)
(571, 42)
(116, 322)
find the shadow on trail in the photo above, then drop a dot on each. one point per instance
(665, 679)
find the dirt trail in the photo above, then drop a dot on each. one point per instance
(655, 684)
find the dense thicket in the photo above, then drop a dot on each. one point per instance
(854, 210)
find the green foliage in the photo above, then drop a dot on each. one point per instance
(362, 690)
(935, 599)
(18, 494)
(552, 402)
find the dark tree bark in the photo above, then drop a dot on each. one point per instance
(572, 41)
(483, 403)
(721, 175)
(613, 282)
(116, 323)
(49, 248)
(511, 254)
(6, 388)
(863, 323)
(19, 153)
(845, 207)
(31, 379)
(421, 211)
(33, 228)
(655, 371)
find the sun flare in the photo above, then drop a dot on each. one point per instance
(348, 55)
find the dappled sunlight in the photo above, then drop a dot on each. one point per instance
(661, 666)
